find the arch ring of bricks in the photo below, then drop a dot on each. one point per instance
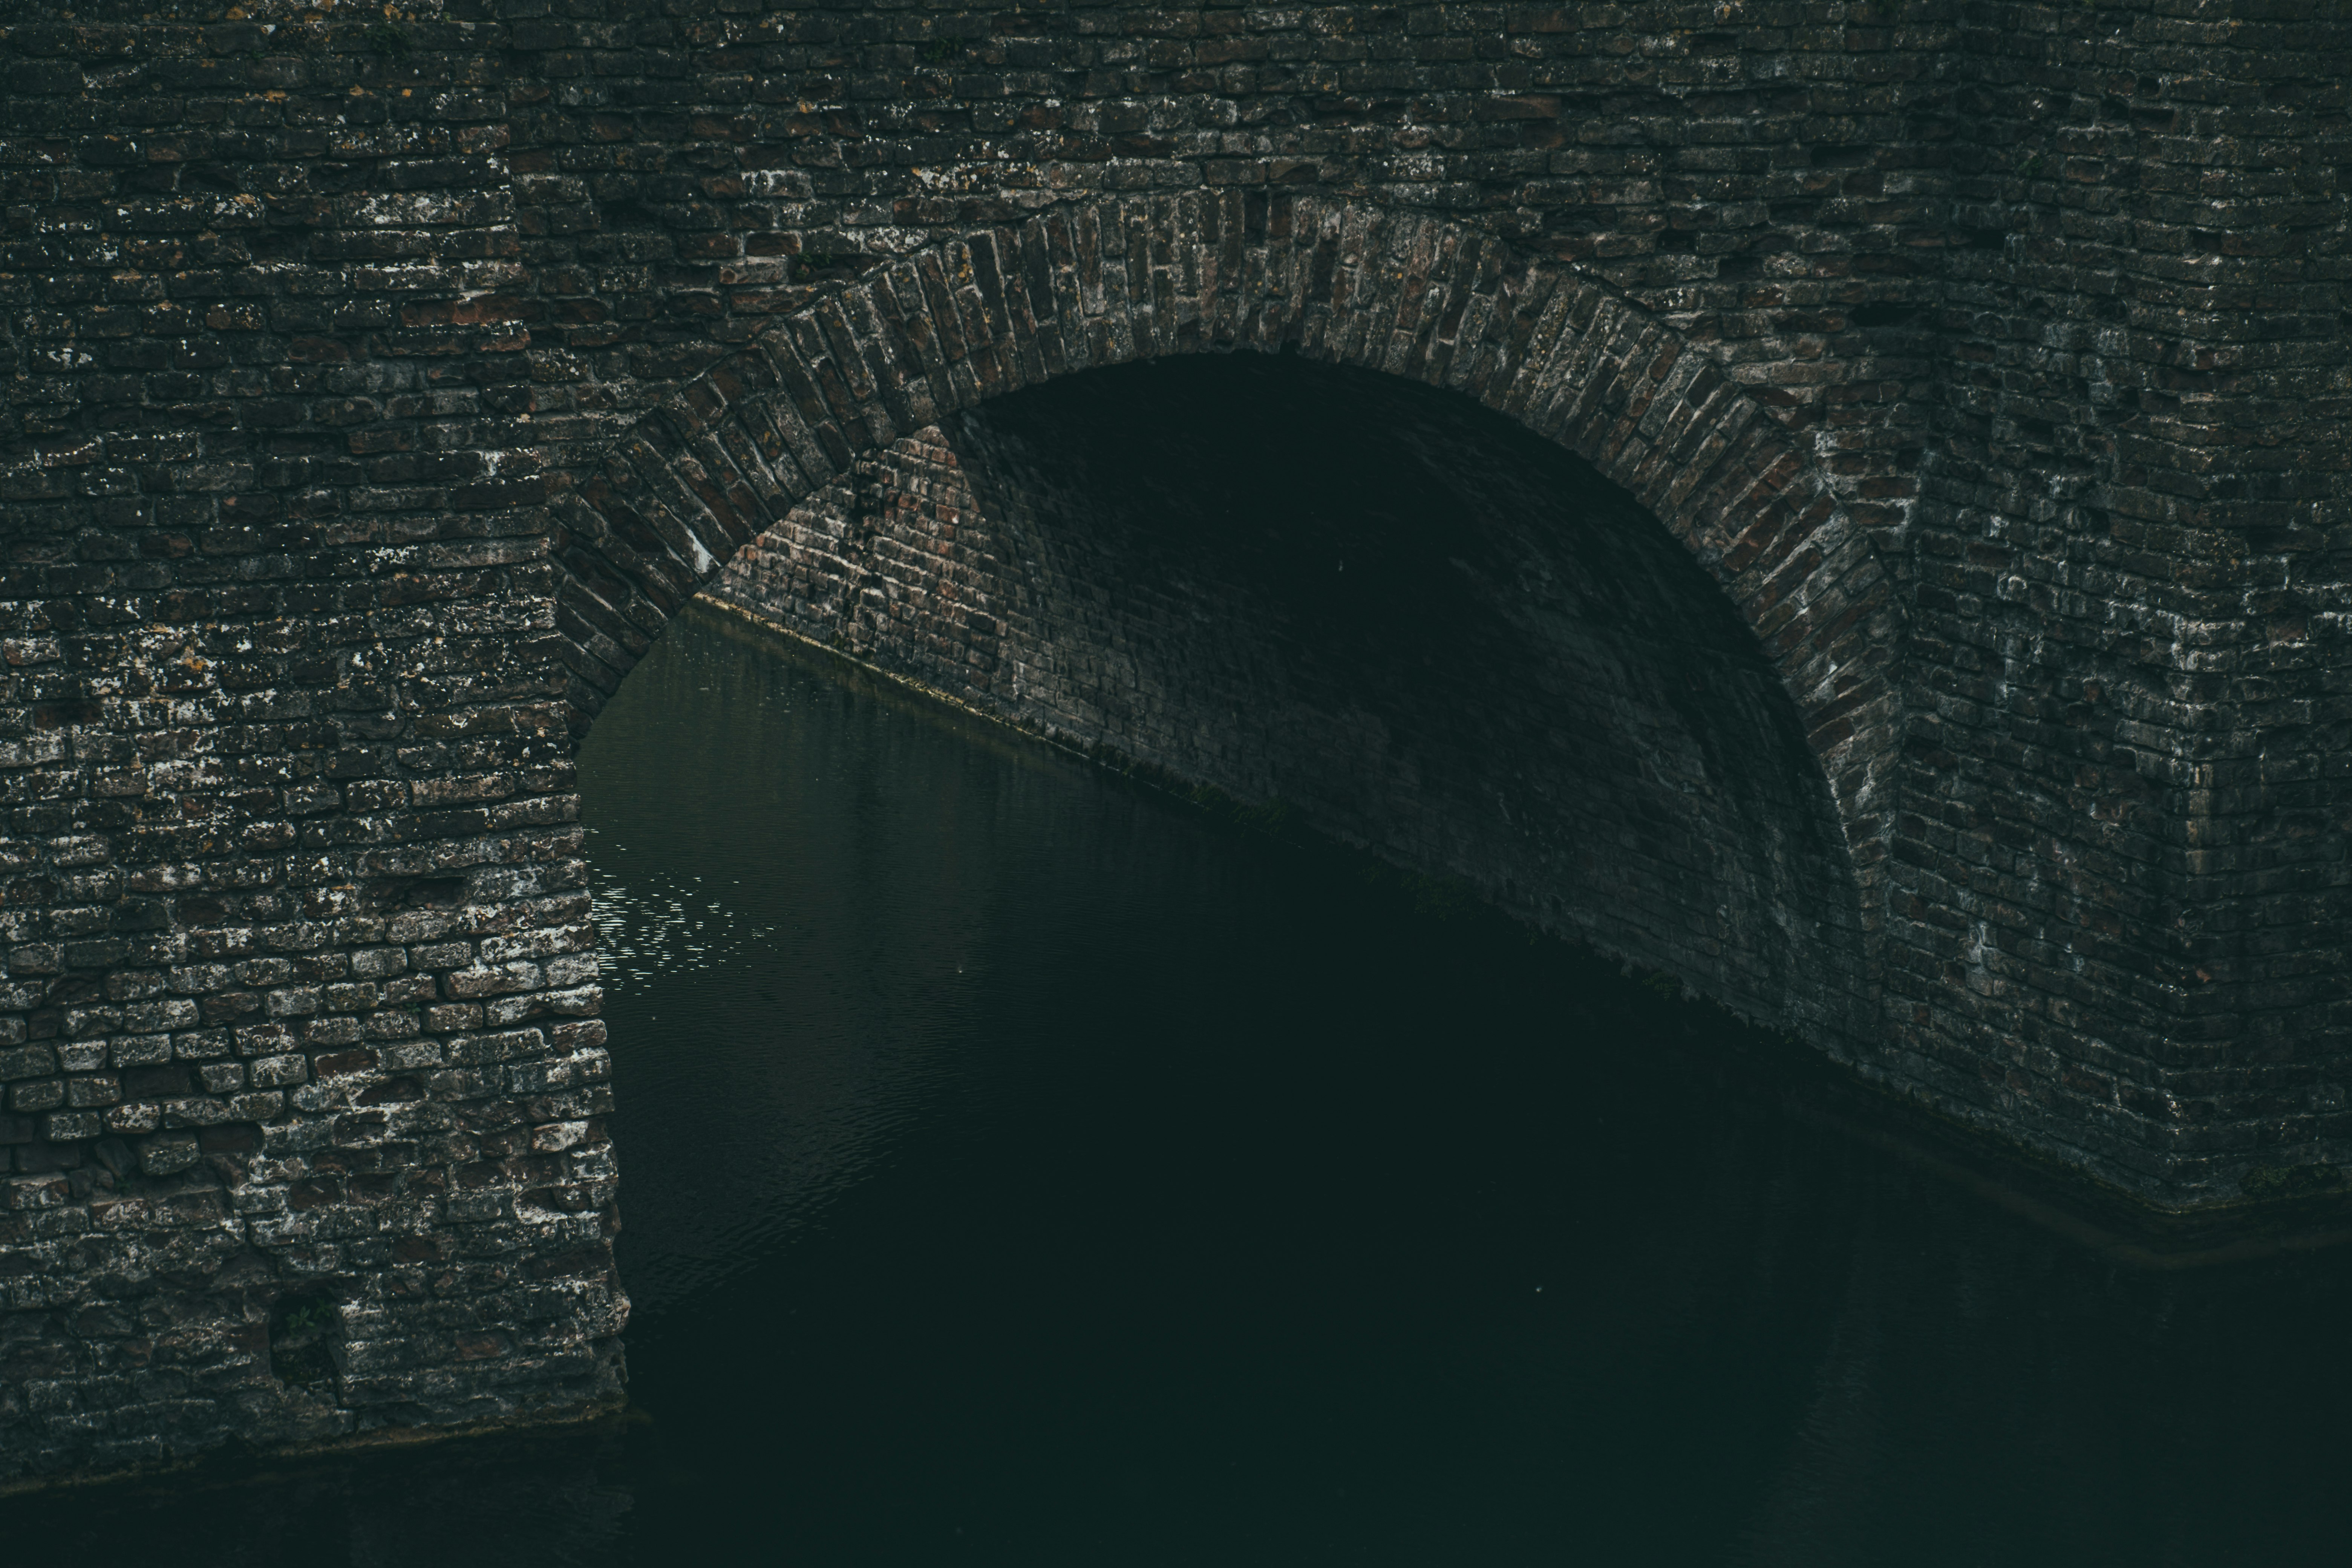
(1106, 282)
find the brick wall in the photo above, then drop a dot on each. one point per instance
(378, 384)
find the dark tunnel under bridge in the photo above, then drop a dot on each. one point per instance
(1399, 616)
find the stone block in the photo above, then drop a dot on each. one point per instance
(168, 1154)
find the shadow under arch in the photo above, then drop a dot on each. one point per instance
(1403, 294)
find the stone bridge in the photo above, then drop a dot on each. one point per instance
(1843, 503)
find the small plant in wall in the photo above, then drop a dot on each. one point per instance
(302, 1329)
(310, 1315)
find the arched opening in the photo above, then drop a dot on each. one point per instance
(985, 1205)
(1401, 616)
(1447, 553)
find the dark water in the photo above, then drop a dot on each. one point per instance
(1022, 1169)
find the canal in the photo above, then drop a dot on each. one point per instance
(1024, 1167)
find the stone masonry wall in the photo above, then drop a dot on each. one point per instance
(378, 382)
(2128, 782)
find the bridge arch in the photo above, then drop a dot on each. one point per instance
(1094, 285)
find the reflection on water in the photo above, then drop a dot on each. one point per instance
(1020, 1170)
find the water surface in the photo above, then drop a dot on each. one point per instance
(1020, 1167)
